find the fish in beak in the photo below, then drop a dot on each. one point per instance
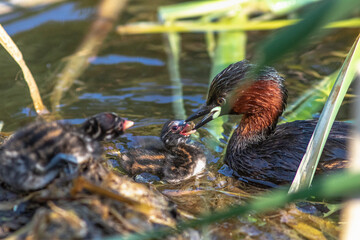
(210, 112)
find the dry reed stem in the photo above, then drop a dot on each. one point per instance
(10, 205)
(15, 53)
(81, 183)
(107, 14)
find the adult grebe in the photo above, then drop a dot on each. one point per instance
(257, 150)
(173, 159)
(35, 155)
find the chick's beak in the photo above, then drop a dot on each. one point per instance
(127, 124)
(188, 129)
(210, 113)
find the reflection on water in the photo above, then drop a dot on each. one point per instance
(114, 59)
(130, 76)
(65, 12)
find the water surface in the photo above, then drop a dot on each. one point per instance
(130, 76)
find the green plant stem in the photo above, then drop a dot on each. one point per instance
(173, 52)
(194, 26)
(230, 48)
(107, 14)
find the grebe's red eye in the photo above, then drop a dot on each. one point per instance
(221, 101)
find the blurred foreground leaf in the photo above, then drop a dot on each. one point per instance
(108, 10)
(292, 36)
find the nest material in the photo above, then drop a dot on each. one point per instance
(96, 203)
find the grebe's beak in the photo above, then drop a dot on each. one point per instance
(201, 112)
(210, 113)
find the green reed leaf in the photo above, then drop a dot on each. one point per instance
(280, 7)
(173, 50)
(197, 8)
(307, 168)
(311, 102)
(230, 48)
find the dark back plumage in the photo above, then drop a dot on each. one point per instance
(275, 159)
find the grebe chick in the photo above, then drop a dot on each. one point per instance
(34, 155)
(257, 150)
(173, 159)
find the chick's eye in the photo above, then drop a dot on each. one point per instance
(221, 101)
(174, 128)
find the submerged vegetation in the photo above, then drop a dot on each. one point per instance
(102, 203)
